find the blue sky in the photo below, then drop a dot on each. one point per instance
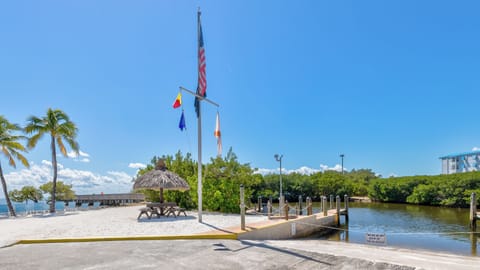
(392, 85)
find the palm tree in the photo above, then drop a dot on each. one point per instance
(58, 125)
(10, 148)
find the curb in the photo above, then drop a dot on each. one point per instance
(128, 238)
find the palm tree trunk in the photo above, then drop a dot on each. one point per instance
(54, 186)
(4, 185)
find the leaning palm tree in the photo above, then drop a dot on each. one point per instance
(10, 147)
(58, 125)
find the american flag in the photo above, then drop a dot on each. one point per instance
(202, 76)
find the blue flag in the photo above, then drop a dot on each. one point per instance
(182, 125)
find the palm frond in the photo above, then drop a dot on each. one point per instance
(61, 146)
(32, 142)
(20, 157)
(14, 145)
(73, 144)
(7, 153)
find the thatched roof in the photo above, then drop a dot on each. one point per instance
(160, 177)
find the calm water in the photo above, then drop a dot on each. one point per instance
(22, 208)
(410, 226)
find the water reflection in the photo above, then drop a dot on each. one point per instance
(410, 226)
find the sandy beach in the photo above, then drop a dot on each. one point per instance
(122, 221)
(112, 222)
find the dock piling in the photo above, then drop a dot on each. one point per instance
(338, 209)
(300, 204)
(346, 207)
(473, 212)
(324, 205)
(259, 204)
(309, 206)
(287, 208)
(269, 208)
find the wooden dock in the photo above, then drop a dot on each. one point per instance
(111, 199)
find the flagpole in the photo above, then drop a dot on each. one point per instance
(199, 183)
(199, 124)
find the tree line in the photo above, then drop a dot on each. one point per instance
(223, 176)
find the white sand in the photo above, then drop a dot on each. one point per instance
(118, 221)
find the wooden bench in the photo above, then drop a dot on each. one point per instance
(145, 210)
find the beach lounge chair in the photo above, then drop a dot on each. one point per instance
(71, 206)
(84, 206)
(60, 206)
(96, 205)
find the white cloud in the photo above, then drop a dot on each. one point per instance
(337, 168)
(72, 154)
(83, 182)
(49, 164)
(302, 170)
(77, 156)
(137, 165)
(476, 148)
(263, 171)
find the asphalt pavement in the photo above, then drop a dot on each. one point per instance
(175, 254)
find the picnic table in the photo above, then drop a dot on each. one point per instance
(163, 209)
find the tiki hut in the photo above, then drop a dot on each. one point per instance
(159, 179)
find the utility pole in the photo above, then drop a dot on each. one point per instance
(342, 155)
(281, 200)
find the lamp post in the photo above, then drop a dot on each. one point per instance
(279, 159)
(342, 155)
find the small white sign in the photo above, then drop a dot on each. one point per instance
(376, 238)
(294, 229)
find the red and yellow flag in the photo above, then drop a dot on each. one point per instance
(178, 101)
(218, 135)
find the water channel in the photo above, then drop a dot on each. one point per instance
(409, 226)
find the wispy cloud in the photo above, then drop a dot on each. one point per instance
(72, 154)
(337, 168)
(305, 170)
(83, 182)
(80, 157)
(137, 165)
(475, 149)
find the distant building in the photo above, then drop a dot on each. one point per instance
(462, 162)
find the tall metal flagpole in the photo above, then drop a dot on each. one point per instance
(199, 123)
(199, 97)
(199, 183)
